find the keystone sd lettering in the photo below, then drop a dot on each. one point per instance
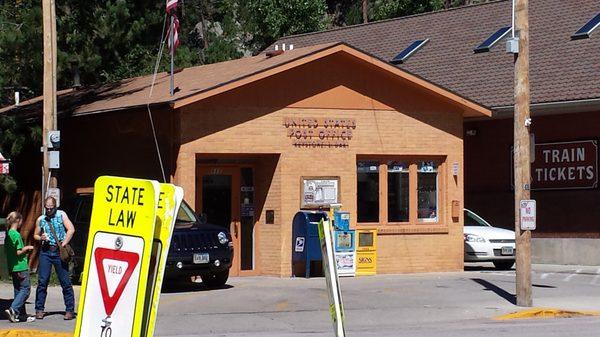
(123, 196)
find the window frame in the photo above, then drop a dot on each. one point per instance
(413, 225)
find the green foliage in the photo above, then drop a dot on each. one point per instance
(15, 136)
(268, 20)
(387, 9)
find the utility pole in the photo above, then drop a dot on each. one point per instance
(522, 153)
(49, 82)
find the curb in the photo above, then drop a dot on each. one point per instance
(33, 333)
(545, 313)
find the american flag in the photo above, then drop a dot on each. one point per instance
(171, 5)
(173, 41)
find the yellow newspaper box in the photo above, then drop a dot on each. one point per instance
(366, 252)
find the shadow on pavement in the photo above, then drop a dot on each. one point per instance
(499, 291)
(184, 287)
(482, 268)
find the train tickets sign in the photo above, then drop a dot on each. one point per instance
(565, 165)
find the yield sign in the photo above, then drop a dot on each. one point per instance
(114, 270)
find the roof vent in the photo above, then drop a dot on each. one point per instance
(587, 29)
(406, 53)
(492, 40)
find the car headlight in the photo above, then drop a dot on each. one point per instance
(473, 238)
(223, 238)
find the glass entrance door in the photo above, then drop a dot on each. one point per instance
(226, 195)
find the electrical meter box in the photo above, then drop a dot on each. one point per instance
(341, 220)
(366, 252)
(305, 240)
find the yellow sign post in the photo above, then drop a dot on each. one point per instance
(336, 306)
(169, 200)
(117, 260)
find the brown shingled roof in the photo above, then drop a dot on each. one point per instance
(134, 92)
(561, 69)
(199, 82)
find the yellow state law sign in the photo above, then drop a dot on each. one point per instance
(169, 200)
(117, 259)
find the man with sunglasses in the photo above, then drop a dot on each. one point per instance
(51, 238)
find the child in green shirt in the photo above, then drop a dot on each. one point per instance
(18, 266)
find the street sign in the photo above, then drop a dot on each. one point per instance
(169, 200)
(336, 306)
(528, 217)
(4, 165)
(117, 260)
(55, 193)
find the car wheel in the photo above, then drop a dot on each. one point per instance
(504, 265)
(215, 279)
(74, 272)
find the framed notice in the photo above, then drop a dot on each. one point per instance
(318, 192)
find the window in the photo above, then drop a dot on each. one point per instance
(587, 29)
(368, 191)
(398, 191)
(473, 220)
(428, 192)
(492, 40)
(408, 51)
(398, 181)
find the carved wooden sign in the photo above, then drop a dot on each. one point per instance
(319, 132)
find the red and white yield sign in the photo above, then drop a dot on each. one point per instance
(528, 216)
(114, 275)
(114, 268)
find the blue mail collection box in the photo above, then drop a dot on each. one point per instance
(305, 239)
(341, 220)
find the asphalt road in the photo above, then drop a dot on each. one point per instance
(436, 304)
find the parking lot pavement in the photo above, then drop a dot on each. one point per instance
(432, 304)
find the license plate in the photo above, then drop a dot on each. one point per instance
(508, 250)
(201, 258)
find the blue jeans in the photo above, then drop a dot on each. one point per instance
(22, 290)
(49, 258)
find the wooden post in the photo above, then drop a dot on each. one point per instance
(49, 83)
(365, 11)
(521, 153)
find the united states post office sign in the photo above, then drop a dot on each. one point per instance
(564, 165)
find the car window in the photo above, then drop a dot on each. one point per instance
(185, 213)
(472, 220)
(85, 210)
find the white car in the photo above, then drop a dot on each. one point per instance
(484, 243)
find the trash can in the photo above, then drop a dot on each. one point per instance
(305, 240)
(4, 275)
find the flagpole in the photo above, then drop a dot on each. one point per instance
(172, 50)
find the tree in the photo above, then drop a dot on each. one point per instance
(267, 20)
(15, 136)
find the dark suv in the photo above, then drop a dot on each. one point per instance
(197, 248)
